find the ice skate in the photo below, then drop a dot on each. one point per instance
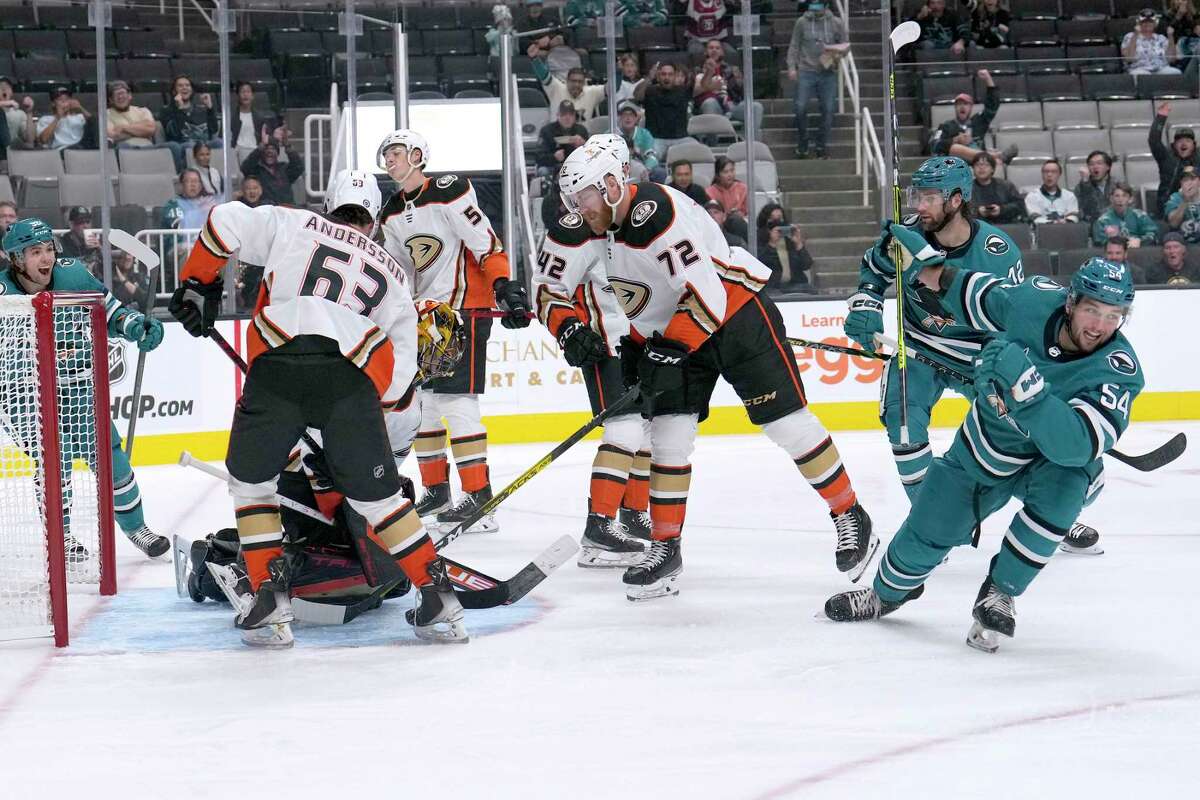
(657, 575)
(606, 544)
(267, 622)
(637, 523)
(856, 545)
(1081, 540)
(465, 507)
(994, 615)
(149, 542)
(434, 501)
(859, 605)
(75, 552)
(437, 615)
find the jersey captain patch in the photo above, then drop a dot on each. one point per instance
(1122, 362)
(632, 296)
(995, 245)
(424, 249)
(642, 212)
(571, 220)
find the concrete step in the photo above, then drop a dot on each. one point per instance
(800, 195)
(837, 230)
(846, 247)
(841, 145)
(820, 215)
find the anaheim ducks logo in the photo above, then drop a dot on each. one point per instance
(424, 249)
(446, 180)
(632, 296)
(643, 211)
(995, 245)
(1122, 362)
(571, 220)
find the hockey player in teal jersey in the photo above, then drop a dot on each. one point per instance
(35, 267)
(1054, 390)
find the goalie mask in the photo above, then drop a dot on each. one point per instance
(582, 179)
(354, 188)
(409, 139)
(441, 339)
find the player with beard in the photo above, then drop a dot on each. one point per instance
(1054, 386)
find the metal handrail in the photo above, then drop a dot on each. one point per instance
(870, 141)
(316, 176)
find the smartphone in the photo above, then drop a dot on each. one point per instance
(785, 230)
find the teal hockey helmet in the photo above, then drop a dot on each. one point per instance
(26, 233)
(949, 173)
(1103, 280)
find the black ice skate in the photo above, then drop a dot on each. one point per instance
(464, 509)
(1081, 540)
(994, 616)
(606, 544)
(149, 542)
(75, 552)
(437, 615)
(435, 500)
(859, 605)
(637, 523)
(856, 545)
(657, 575)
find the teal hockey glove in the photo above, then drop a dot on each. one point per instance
(866, 316)
(1004, 366)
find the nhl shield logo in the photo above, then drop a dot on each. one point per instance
(995, 245)
(642, 212)
(632, 296)
(116, 362)
(1122, 362)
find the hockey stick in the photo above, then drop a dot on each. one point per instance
(148, 258)
(1146, 462)
(902, 35)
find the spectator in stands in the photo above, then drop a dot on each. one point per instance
(66, 124)
(631, 78)
(681, 179)
(706, 19)
(962, 135)
(210, 177)
(1171, 162)
(77, 242)
(643, 162)
(731, 192)
(558, 138)
(1183, 207)
(532, 15)
(717, 212)
(585, 97)
(719, 89)
(250, 128)
(1051, 204)
(129, 283)
(577, 13)
(642, 13)
(1095, 182)
(1122, 219)
(252, 192)
(249, 277)
(188, 119)
(1173, 270)
(276, 178)
(188, 209)
(8, 215)
(989, 25)
(814, 71)
(18, 116)
(128, 125)
(1183, 24)
(666, 102)
(940, 28)
(502, 22)
(782, 248)
(770, 212)
(1146, 52)
(1116, 250)
(994, 199)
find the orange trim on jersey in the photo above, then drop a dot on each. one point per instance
(591, 290)
(738, 296)
(495, 264)
(789, 359)
(556, 312)
(471, 347)
(684, 328)
(379, 366)
(202, 264)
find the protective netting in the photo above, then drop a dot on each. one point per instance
(24, 561)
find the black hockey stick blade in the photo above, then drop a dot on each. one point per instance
(510, 591)
(1159, 457)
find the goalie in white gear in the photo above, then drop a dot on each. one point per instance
(332, 346)
(436, 230)
(696, 313)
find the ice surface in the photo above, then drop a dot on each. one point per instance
(730, 690)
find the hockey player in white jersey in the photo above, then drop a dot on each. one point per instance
(696, 314)
(436, 230)
(332, 344)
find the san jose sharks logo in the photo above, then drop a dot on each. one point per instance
(995, 245)
(632, 296)
(424, 249)
(936, 318)
(1122, 362)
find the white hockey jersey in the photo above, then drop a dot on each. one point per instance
(669, 266)
(444, 242)
(319, 278)
(594, 299)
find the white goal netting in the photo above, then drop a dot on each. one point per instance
(31, 510)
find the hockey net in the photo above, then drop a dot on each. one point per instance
(56, 503)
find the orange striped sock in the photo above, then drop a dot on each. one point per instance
(610, 470)
(822, 468)
(637, 490)
(430, 447)
(405, 538)
(260, 533)
(470, 457)
(668, 499)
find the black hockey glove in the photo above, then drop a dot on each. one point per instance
(196, 305)
(630, 353)
(512, 299)
(661, 366)
(581, 345)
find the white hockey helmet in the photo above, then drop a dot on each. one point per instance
(406, 138)
(586, 168)
(614, 142)
(354, 188)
